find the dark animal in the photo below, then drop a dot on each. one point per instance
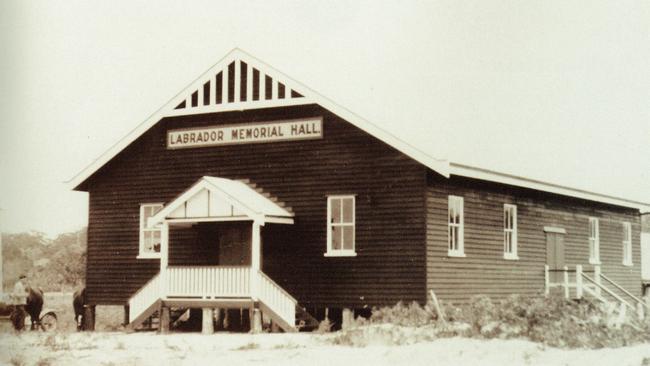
(78, 303)
(33, 307)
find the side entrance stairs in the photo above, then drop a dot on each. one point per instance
(580, 283)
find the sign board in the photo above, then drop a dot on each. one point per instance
(246, 133)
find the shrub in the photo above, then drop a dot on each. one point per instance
(324, 326)
(553, 321)
(411, 315)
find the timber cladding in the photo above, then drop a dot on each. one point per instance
(401, 218)
(485, 271)
(389, 189)
(645, 223)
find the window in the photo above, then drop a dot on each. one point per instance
(510, 232)
(627, 244)
(456, 245)
(594, 241)
(340, 226)
(149, 237)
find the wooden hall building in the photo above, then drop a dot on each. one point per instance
(250, 190)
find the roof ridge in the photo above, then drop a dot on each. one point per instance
(309, 96)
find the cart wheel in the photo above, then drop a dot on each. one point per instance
(48, 321)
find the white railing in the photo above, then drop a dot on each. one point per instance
(211, 282)
(276, 298)
(144, 298)
(571, 280)
(582, 283)
(634, 298)
(208, 282)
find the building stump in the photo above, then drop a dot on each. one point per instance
(208, 325)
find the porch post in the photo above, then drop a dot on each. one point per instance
(255, 257)
(547, 281)
(164, 257)
(579, 281)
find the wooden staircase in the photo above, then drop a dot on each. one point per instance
(199, 287)
(578, 284)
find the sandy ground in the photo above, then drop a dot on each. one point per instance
(67, 347)
(104, 348)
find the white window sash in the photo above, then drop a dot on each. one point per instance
(144, 231)
(455, 227)
(594, 241)
(341, 252)
(627, 244)
(510, 232)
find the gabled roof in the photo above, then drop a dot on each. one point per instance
(221, 199)
(209, 94)
(201, 97)
(513, 180)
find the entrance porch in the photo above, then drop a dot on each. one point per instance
(225, 218)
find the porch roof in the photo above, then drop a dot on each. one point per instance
(221, 199)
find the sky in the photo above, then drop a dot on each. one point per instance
(551, 90)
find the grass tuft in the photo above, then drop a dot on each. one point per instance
(247, 347)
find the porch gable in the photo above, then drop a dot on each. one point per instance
(221, 199)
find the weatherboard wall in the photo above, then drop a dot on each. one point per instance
(485, 271)
(401, 221)
(390, 220)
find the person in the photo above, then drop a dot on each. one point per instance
(19, 300)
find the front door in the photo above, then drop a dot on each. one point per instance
(555, 254)
(234, 240)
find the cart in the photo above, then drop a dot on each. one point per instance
(47, 321)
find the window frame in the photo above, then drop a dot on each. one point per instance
(143, 229)
(627, 244)
(513, 253)
(331, 252)
(460, 250)
(594, 250)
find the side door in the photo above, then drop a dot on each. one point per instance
(555, 252)
(645, 257)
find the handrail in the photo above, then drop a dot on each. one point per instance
(276, 299)
(593, 293)
(278, 286)
(570, 270)
(205, 266)
(562, 270)
(144, 297)
(145, 285)
(610, 292)
(624, 290)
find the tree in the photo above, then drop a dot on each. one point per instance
(52, 265)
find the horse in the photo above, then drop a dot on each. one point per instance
(33, 307)
(78, 303)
